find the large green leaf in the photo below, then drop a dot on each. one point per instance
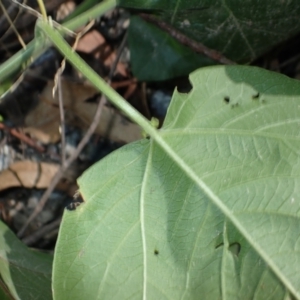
(26, 273)
(147, 230)
(242, 31)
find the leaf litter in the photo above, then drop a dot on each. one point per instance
(33, 112)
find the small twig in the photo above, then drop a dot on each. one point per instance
(64, 167)
(9, 20)
(290, 61)
(73, 156)
(124, 83)
(62, 119)
(27, 8)
(144, 101)
(33, 238)
(22, 137)
(183, 39)
(110, 76)
(119, 53)
(40, 16)
(130, 90)
(57, 87)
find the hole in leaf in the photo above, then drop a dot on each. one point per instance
(226, 99)
(183, 85)
(156, 252)
(255, 97)
(235, 248)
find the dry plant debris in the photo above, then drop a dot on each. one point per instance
(34, 121)
(28, 174)
(43, 122)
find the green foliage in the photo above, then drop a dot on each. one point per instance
(158, 56)
(26, 273)
(149, 230)
(241, 31)
(208, 206)
(38, 45)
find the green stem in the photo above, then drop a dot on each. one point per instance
(84, 6)
(90, 14)
(37, 46)
(42, 9)
(94, 78)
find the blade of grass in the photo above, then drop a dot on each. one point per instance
(134, 115)
(42, 8)
(38, 45)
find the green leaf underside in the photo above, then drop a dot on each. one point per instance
(146, 229)
(25, 272)
(241, 32)
(157, 56)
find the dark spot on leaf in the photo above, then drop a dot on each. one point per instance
(156, 252)
(235, 248)
(226, 99)
(78, 200)
(255, 97)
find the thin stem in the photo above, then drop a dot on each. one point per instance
(64, 167)
(39, 45)
(33, 238)
(12, 25)
(66, 163)
(119, 53)
(62, 114)
(42, 9)
(93, 77)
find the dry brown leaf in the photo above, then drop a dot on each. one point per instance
(90, 42)
(43, 122)
(28, 174)
(72, 92)
(112, 125)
